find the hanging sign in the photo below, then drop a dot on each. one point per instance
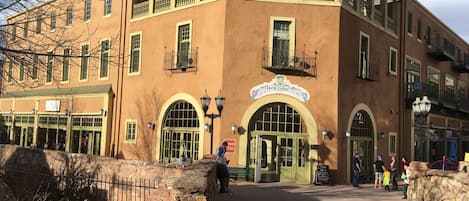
(466, 157)
(231, 145)
(52, 105)
(279, 85)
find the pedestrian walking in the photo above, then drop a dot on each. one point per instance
(222, 168)
(405, 175)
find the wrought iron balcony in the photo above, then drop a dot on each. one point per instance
(181, 60)
(441, 51)
(420, 89)
(449, 100)
(279, 62)
(460, 66)
(140, 9)
(464, 105)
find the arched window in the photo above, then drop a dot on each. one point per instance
(362, 125)
(180, 132)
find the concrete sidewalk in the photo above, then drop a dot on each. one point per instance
(247, 191)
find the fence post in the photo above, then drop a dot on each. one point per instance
(444, 161)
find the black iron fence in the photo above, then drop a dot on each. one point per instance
(78, 186)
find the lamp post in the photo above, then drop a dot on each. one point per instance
(220, 101)
(421, 109)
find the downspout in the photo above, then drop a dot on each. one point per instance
(120, 79)
(402, 84)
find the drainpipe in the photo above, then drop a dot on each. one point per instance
(119, 82)
(402, 84)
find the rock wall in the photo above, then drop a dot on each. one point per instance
(435, 185)
(196, 181)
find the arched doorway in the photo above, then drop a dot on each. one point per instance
(278, 144)
(180, 132)
(362, 142)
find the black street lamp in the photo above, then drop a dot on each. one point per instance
(421, 109)
(220, 101)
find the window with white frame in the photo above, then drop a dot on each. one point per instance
(363, 63)
(10, 72)
(131, 131)
(34, 74)
(449, 86)
(392, 143)
(50, 65)
(433, 82)
(25, 29)
(39, 24)
(104, 66)
(461, 90)
(281, 43)
(53, 21)
(66, 64)
(184, 45)
(135, 44)
(409, 23)
(107, 7)
(87, 10)
(393, 61)
(21, 76)
(85, 54)
(13, 32)
(69, 19)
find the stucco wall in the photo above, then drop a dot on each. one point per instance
(435, 185)
(193, 182)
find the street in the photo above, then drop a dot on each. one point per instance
(247, 191)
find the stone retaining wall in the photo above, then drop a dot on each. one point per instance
(435, 185)
(196, 181)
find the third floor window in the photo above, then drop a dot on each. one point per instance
(135, 53)
(107, 7)
(85, 54)
(69, 19)
(184, 45)
(87, 10)
(104, 65)
(66, 64)
(39, 24)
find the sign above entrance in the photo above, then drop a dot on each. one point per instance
(52, 105)
(279, 85)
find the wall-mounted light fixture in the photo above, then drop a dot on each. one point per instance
(11, 111)
(151, 125)
(33, 111)
(67, 112)
(347, 134)
(324, 133)
(206, 127)
(381, 135)
(102, 112)
(233, 128)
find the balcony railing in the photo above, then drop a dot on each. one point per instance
(460, 66)
(140, 9)
(447, 99)
(161, 5)
(279, 62)
(441, 51)
(392, 24)
(180, 3)
(181, 60)
(419, 89)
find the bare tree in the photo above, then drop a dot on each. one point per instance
(147, 111)
(47, 41)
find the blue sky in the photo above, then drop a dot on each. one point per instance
(454, 13)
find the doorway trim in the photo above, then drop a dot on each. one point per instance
(310, 123)
(358, 107)
(164, 108)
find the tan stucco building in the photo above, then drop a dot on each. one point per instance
(306, 82)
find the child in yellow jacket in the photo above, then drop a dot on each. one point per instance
(386, 180)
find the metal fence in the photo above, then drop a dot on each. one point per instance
(78, 186)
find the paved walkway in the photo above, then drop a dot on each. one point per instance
(247, 191)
